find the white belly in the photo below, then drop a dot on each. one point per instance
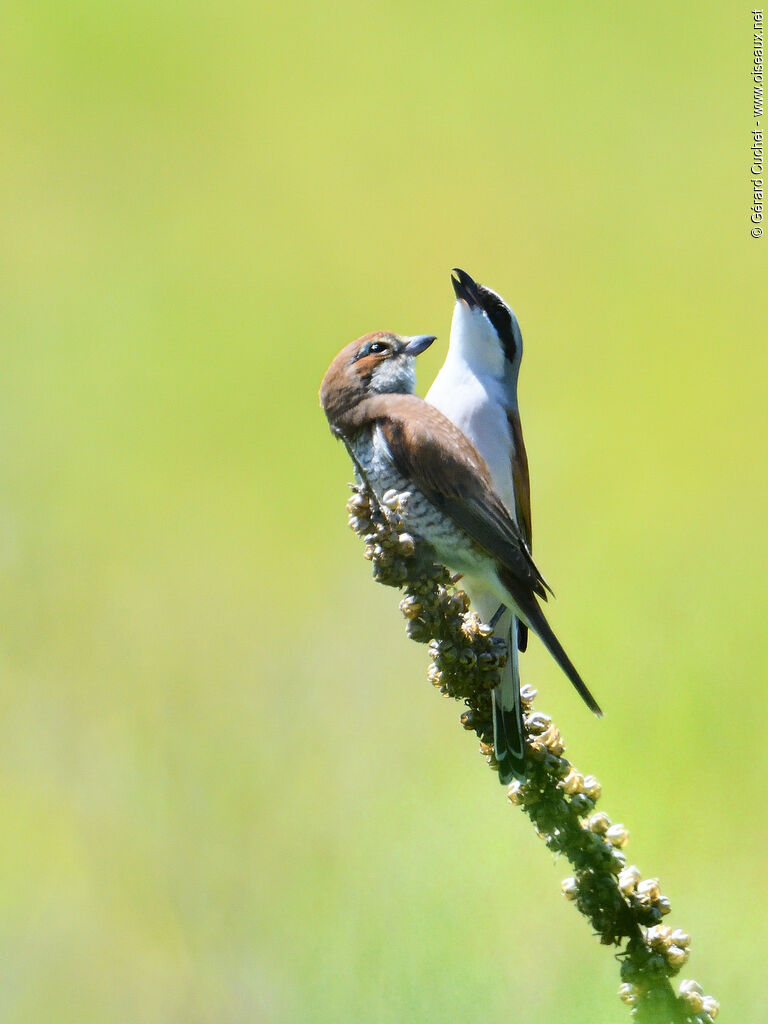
(480, 412)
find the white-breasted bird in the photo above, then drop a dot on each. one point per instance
(400, 441)
(476, 389)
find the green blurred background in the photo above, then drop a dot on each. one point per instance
(227, 791)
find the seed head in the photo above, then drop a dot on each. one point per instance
(466, 659)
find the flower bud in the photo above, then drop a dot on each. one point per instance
(658, 936)
(689, 985)
(357, 499)
(581, 804)
(694, 1003)
(599, 823)
(676, 956)
(627, 993)
(467, 658)
(411, 608)
(459, 603)
(680, 938)
(560, 765)
(573, 782)
(617, 835)
(618, 861)
(592, 787)
(537, 751)
(406, 545)
(528, 694)
(648, 890)
(628, 879)
(538, 722)
(570, 888)
(515, 792)
(417, 630)
(711, 1006)
(553, 741)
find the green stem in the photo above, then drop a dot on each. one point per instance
(623, 909)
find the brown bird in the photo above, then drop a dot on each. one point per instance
(399, 441)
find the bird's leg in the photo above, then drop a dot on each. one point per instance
(497, 615)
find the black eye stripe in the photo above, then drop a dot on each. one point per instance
(372, 348)
(501, 319)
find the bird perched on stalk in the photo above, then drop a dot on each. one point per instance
(399, 441)
(476, 389)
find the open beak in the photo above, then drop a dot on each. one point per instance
(416, 345)
(465, 288)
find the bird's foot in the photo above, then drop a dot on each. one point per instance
(497, 615)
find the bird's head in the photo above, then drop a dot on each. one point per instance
(484, 330)
(376, 364)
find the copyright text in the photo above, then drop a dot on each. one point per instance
(756, 170)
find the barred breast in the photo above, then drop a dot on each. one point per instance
(452, 546)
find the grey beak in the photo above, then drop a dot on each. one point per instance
(465, 287)
(418, 343)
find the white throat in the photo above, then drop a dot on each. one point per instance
(476, 389)
(475, 342)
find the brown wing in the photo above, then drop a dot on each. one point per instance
(446, 467)
(448, 470)
(521, 479)
(522, 487)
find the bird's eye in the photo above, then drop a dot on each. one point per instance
(375, 348)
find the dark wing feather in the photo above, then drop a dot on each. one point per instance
(521, 479)
(444, 465)
(449, 471)
(522, 488)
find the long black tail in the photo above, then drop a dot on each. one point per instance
(542, 629)
(508, 742)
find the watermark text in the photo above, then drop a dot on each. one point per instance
(756, 170)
